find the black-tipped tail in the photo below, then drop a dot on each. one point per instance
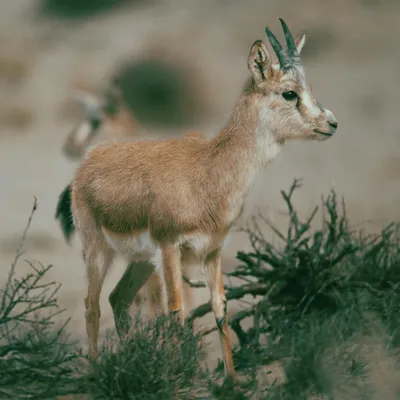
(64, 213)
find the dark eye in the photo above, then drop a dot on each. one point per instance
(95, 123)
(290, 96)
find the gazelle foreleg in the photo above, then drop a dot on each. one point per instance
(213, 266)
(171, 261)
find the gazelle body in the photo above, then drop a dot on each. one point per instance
(107, 118)
(159, 203)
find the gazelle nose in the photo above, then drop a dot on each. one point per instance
(333, 124)
(331, 119)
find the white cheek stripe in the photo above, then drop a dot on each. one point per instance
(83, 132)
(308, 103)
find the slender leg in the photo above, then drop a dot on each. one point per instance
(155, 295)
(187, 290)
(189, 264)
(213, 264)
(121, 298)
(171, 257)
(97, 268)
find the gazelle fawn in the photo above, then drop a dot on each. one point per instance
(160, 202)
(107, 118)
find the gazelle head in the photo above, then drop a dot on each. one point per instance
(104, 116)
(288, 107)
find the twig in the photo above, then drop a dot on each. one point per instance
(206, 331)
(200, 284)
(255, 289)
(193, 283)
(237, 319)
(21, 242)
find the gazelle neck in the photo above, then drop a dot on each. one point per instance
(244, 146)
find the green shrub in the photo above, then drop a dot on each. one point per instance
(37, 360)
(323, 287)
(158, 360)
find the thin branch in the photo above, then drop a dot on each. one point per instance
(254, 289)
(21, 242)
(236, 320)
(206, 331)
(192, 283)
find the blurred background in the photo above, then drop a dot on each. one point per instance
(183, 64)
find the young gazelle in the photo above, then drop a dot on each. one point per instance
(158, 202)
(107, 118)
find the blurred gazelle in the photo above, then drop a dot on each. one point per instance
(107, 118)
(157, 202)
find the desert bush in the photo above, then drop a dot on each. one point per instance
(37, 359)
(319, 289)
(158, 359)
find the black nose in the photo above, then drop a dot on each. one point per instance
(333, 124)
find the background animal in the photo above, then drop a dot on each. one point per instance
(106, 117)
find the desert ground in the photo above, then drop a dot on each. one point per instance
(352, 58)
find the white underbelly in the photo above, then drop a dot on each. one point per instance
(134, 246)
(140, 246)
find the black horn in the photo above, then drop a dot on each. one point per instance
(291, 45)
(279, 51)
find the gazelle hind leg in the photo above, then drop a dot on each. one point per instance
(155, 295)
(98, 257)
(135, 276)
(213, 266)
(98, 262)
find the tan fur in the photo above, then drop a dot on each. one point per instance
(118, 126)
(158, 201)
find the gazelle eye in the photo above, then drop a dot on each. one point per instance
(290, 96)
(95, 123)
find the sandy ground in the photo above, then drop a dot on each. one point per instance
(352, 58)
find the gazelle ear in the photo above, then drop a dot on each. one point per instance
(300, 42)
(259, 61)
(92, 106)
